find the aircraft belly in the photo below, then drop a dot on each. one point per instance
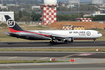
(30, 36)
(37, 37)
(84, 38)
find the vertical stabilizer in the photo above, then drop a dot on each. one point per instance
(12, 24)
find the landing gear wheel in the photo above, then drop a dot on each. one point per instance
(53, 42)
(72, 41)
(65, 41)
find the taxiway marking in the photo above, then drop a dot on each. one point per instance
(13, 57)
(69, 56)
(44, 58)
(10, 67)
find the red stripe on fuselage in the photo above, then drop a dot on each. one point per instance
(13, 31)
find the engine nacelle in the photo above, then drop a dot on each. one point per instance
(69, 39)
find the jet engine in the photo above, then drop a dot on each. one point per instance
(69, 39)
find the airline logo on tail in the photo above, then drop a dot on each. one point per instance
(11, 23)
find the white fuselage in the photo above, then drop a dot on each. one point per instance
(76, 34)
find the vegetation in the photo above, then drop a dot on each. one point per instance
(35, 17)
(98, 18)
(68, 17)
(87, 7)
(26, 61)
(83, 7)
(21, 16)
(25, 16)
(23, 12)
(57, 49)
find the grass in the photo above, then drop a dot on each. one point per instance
(57, 49)
(26, 61)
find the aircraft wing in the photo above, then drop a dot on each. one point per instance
(59, 37)
(56, 36)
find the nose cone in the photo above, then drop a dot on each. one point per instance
(100, 35)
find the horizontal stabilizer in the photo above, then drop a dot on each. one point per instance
(8, 33)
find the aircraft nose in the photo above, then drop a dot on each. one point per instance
(100, 35)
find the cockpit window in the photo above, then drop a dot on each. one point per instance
(99, 33)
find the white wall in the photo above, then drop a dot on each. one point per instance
(97, 1)
(74, 1)
(50, 2)
(2, 13)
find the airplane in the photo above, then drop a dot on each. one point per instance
(53, 35)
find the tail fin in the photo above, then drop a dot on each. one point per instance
(13, 27)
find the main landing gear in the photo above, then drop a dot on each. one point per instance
(53, 41)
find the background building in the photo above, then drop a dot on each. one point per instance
(74, 1)
(2, 18)
(97, 2)
(97, 13)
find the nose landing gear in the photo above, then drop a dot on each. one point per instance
(94, 40)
